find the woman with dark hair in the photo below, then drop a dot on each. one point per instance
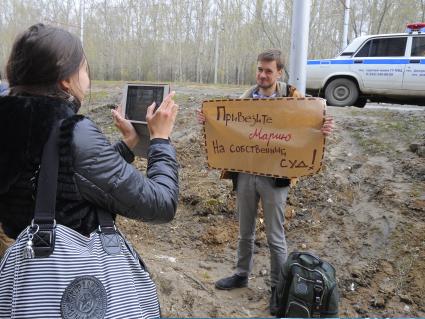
(48, 78)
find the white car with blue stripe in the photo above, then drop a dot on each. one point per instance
(380, 68)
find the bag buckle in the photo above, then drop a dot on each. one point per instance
(317, 295)
(107, 229)
(111, 241)
(318, 289)
(41, 240)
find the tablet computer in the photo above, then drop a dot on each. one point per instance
(136, 99)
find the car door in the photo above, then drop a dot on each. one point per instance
(414, 76)
(380, 63)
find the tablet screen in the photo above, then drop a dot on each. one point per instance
(139, 97)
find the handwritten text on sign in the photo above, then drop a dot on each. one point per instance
(277, 137)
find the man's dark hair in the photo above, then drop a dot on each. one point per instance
(272, 55)
(41, 57)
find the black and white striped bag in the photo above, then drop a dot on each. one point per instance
(52, 271)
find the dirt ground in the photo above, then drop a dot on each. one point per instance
(364, 213)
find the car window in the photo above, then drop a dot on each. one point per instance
(383, 47)
(418, 46)
(364, 51)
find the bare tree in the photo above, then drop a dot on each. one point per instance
(169, 40)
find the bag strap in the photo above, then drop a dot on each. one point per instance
(42, 230)
(45, 204)
(41, 233)
(105, 219)
(318, 290)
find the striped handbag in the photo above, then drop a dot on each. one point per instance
(52, 271)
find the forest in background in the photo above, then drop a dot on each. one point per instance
(188, 40)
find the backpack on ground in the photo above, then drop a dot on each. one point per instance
(307, 288)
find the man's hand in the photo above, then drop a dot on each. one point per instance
(200, 116)
(328, 126)
(130, 137)
(161, 122)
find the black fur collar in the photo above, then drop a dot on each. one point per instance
(25, 123)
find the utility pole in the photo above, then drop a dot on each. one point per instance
(82, 21)
(299, 44)
(217, 33)
(346, 21)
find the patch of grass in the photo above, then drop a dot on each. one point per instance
(380, 131)
(221, 86)
(373, 145)
(93, 106)
(409, 243)
(212, 203)
(98, 95)
(205, 276)
(417, 190)
(370, 113)
(103, 83)
(211, 85)
(407, 127)
(356, 112)
(181, 97)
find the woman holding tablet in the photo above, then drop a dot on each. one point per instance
(48, 75)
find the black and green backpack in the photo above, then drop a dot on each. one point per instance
(307, 288)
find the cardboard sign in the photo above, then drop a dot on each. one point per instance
(278, 137)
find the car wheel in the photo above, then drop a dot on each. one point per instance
(361, 102)
(341, 92)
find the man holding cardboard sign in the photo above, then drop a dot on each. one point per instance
(265, 185)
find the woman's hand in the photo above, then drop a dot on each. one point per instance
(161, 122)
(130, 137)
(328, 126)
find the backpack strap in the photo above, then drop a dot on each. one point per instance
(318, 290)
(291, 91)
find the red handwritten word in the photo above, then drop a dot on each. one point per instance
(258, 134)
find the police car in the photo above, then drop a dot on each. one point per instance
(381, 68)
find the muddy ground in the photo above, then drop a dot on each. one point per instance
(364, 213)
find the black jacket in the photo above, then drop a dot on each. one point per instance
(93, 174)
